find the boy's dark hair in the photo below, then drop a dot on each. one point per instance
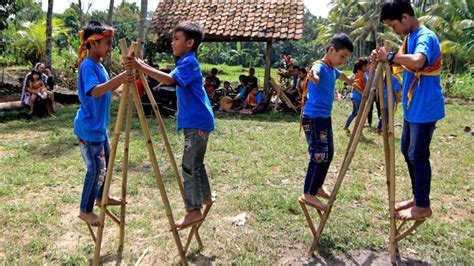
(30, 77)
(94, 27)
(226, 82)
(296, 67)
(21, 79)
(341, 41)
(214, 70)
(394, 10)
(251, 69)
(243, 78)
(191, 30)
(359, 63)
(302, 69)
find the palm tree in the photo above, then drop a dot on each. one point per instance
(453, 21)
(32, 38)
(49, 38)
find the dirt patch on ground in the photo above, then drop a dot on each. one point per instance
(295, 256)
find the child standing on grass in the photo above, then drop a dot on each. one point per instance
(92, 118)
(316, 119)
(195, 116)
(360, 67)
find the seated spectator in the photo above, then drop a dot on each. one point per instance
(214, 80)
(253, 101)
(36, 89)
(47, 79)
(252, 81)
(294, 75)
(208, 86)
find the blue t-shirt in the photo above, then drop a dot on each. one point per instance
(194, 108)
(427, 103)
(396, 86)
(321, 96)
(92, 118)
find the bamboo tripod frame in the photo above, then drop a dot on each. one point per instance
(129, 98)
(374, 83)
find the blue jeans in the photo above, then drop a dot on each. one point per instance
(96, 157)
(196, 181)
(355, 109)
(415, 146)
(318, 132)
(379, 124)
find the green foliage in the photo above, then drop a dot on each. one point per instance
(459, 86)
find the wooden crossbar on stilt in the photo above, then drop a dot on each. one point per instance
(130, 96)
(374, 83)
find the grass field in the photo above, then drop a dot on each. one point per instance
(257, 166)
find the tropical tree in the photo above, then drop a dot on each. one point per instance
(32, 38)
(49, 38)
(453, 21)
(143, 18)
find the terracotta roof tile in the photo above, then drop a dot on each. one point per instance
(222, 20)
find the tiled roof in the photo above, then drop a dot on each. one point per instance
(233, 20)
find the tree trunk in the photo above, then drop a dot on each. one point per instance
(111, 13)
(107, 60)
(142, 30)
(49, 31)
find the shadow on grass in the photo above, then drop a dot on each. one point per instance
(265, 117)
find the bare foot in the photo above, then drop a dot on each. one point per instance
(313, 201)
(110, 201)
(323, 193)
(189, 219)
(90, 218)
(404, 205)
(414, 213)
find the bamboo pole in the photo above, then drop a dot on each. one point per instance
(391, 175)
(153, 159)
(164, 135)
(108, 177)
(344, 166)
(128, 126)
(365, 96)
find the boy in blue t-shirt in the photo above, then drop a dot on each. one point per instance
(423, 102)
(194, 116)
(92, 118)
(317, 116)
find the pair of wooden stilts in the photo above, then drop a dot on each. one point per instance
(129, 97)
(374, 84)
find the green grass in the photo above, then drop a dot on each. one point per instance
(256, 165)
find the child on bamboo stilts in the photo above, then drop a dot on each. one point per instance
(360, 67)
(423, 102)
(316, 120)
(195, 115)
(92, 118)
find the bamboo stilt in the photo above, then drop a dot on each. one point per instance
(108, 177)
(128, 127)
(391, 175)
(156, 169)
(345, 165)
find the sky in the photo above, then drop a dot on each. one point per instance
(316, 7)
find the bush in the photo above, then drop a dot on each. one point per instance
(459, 86)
